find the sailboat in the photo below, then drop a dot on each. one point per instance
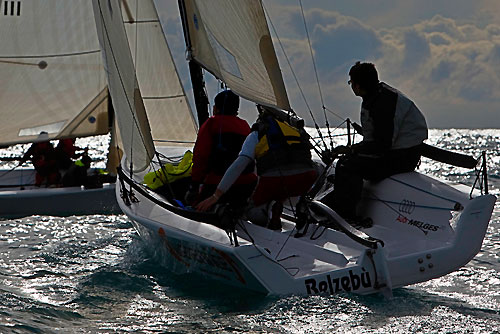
(54, 83)
(423, 227)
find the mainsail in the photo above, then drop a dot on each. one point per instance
(238, 51)
(52, 74)
(169, 114)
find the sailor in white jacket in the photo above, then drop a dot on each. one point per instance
(393, 131)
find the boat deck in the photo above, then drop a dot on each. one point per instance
(313, 253)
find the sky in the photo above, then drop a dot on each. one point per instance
(442, 54)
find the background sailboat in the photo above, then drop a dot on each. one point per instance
(423, 228)
(53, 81)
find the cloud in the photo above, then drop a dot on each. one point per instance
(416, 48)
(336, 39)
(438, 62)
(356, 40)
(493, 30)
(445, 58)
(442, 71)
(495, 54)
(438, 38)
(442, 25)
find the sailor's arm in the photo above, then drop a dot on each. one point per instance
(246, 156)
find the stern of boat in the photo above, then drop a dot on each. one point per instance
(430, 228)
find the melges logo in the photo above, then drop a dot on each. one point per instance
(424, 227)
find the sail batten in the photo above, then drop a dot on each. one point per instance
(231, 39)
(80, 53)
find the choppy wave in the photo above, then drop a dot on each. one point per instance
(93, 274)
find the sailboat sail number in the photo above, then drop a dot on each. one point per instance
(11, 8)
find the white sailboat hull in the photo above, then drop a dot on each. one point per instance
(17, 201)
(324, 261)
(425, 228)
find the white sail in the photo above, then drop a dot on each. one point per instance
(230, 38)
(124, 88)
(52, 77)
(169, 114)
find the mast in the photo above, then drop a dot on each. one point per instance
(195, 72)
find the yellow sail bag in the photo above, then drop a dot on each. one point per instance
(170, 172)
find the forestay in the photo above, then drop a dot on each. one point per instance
(124, 88)
(239, 51)
(52, 74)
(168, 111)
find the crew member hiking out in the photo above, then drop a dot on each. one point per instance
(283, 157)
(393, 131)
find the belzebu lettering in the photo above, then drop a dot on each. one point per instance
(347, 283)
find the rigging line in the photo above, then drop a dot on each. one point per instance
(289, 234)
(269, 258)
(294, 76)
(338, 127)
(333, 136)
(312, 55)
(334, 114)
(313, 233)
(315, 70)
(416, 205)
(316, 147)
(263, 254)
(397, 212)
(288, 61)
(244, 229)
(53, 55)
(477, 173)
(166, 174)
(422, 190)
(10, 170)
(105, 30)
(289, 198)
(176, 158)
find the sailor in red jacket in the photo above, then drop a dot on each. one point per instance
(42, 156)
(219, 141)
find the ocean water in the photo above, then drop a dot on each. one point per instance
(93, 274)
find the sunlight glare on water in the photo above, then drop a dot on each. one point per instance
(93, 274)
